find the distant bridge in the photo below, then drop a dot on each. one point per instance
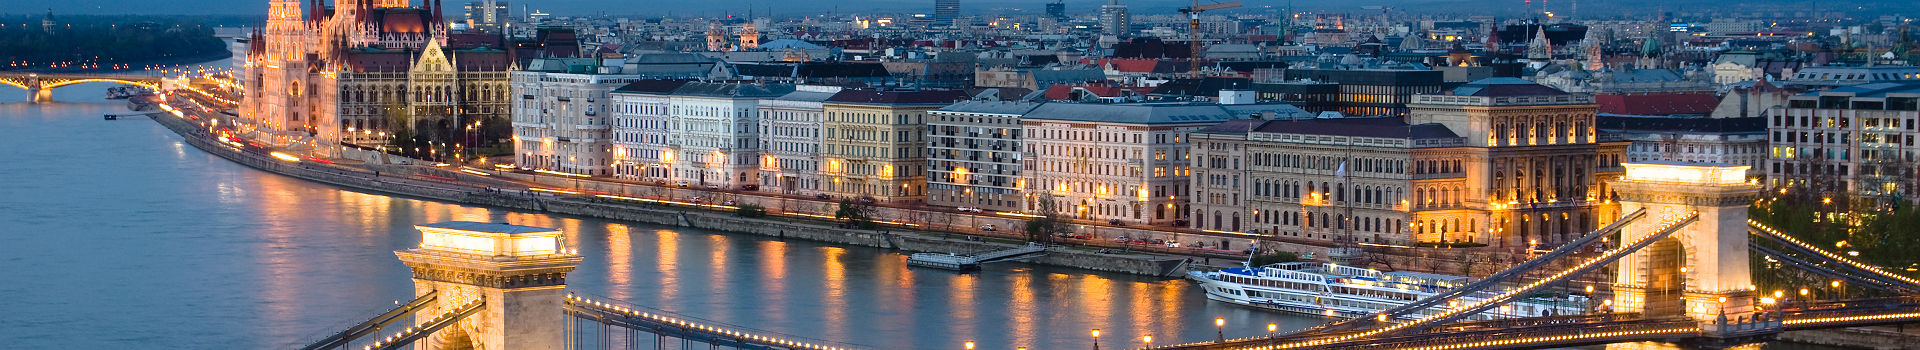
(40, 86)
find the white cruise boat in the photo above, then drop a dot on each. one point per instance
(1344, 291)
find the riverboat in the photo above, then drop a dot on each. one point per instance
(1335, 290)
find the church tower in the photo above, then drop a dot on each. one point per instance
(716, 37)
(749, 37)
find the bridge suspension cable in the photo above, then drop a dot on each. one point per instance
(406, 336)
(1481, 285)
(373, 324)
(1665, 230)
(1868, 270)
(1822, 270)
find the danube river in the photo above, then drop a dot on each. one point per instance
(118, 235)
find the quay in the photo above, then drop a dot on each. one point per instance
(500, 194)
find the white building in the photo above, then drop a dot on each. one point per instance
(561, 122)
(643, 138)
(790, 139)
(718, 132)
(1125, 162)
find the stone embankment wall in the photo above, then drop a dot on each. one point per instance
(401, 180)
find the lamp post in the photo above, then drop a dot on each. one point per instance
(1148, 339)
(1272, 329)
(1220, 328)
(969, 345)
(1096, 339)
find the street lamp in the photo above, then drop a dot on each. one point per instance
(1272, 328)
(1220, 328)
(969, 345)
(1096, 339)
(1147, 339)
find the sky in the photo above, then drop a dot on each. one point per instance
(18, 8)
(584, 7)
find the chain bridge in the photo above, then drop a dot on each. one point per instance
(1680, 256)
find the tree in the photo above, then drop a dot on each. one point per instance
(750, 210)
(1042, 229)
(854, 214)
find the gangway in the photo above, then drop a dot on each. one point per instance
(969, 262)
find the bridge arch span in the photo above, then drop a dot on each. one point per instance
(60, 83)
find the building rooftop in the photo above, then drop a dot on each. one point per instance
(1156, 113)
(733, 90)
(1389, 127)
(1657, 104)
(991, 107)
(882, 97)
(1505, 87)
(651, 86)
(1751, 125)
(1881, 89)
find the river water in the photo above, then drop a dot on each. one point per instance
(117, 235)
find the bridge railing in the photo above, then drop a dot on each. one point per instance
(406, 336)
(648, 319)
(1874, 271)
(1532, 337)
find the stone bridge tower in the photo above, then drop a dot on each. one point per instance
(517, 272)
(1700, 271)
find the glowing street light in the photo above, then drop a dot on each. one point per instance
(969, 345)
(1220, 328)
(1096, 339)
(1147, 339)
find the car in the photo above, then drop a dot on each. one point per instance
(749, 187)
(660, 182)
(1115, 222)
(987, 227)
(964, 209)
(713, 187)
(683, 184)
(868, 200)
(822, 196)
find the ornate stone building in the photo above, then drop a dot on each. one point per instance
(364, 71)
(1533, 163)
(876, 142)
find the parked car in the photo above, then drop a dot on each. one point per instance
(987, 227)
(713, 187)
(660, 182)
(1115, 222)
(749, 187)
(822, 196)
(683, 184)
(868, 200)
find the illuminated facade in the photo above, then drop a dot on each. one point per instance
(875, 142)
(561, 120)
(1701, 271)
(515, 274)
(1533, 164)
(362, 72)
(644, 143)
(717, 129)
(1125, 162)
(1381, 179)
(1848, 140)
(790, 136)
(974, 155)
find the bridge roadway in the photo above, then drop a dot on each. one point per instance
(40, 86)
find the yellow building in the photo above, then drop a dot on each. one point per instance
(875, 142)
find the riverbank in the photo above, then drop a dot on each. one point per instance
(782, 228)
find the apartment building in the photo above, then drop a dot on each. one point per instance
(717, 126)
(1855, 140)
(561, 120)
(643, 140)
(875, 142)
(974, 155)
(790, 130)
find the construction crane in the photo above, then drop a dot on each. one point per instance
(1193, 30)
